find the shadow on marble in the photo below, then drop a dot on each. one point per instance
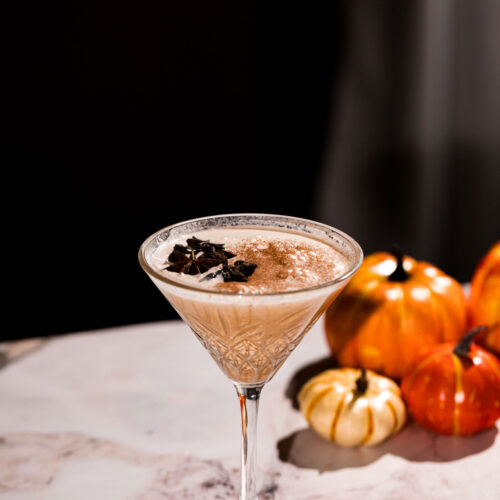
(304, 374)
(305, 449)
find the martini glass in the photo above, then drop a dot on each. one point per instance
(250, 335)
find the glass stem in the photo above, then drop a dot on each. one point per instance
(249, 406)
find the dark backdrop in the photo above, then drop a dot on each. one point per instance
(122, 119)
(380, 117)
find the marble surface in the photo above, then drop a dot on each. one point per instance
(143, 413)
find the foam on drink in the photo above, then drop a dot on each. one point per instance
(285, 261)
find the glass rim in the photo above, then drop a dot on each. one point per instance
(353, 267)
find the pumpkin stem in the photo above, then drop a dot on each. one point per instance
(463, 347)
(399, 273)
(361, 384)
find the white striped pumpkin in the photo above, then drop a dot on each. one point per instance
(352, 407)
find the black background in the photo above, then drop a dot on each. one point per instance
(122, 119)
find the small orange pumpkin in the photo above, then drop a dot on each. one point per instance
(392, 311)
(484, 299)
(455, 389)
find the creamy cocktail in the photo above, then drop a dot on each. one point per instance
(247, 336)
(250, 286)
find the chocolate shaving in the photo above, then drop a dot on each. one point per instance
(239, 271)
(185, 264)
(246, 268)
(198, 256)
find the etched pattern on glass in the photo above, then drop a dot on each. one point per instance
(250, 342)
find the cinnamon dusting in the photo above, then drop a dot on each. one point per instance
(284, 265)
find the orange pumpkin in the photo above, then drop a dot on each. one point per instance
(484, 299)
(455, 389)
(392, 311)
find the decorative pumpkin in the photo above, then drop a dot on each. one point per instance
(484, 299)
(352, 407)
(455, 389)
(392, 311)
